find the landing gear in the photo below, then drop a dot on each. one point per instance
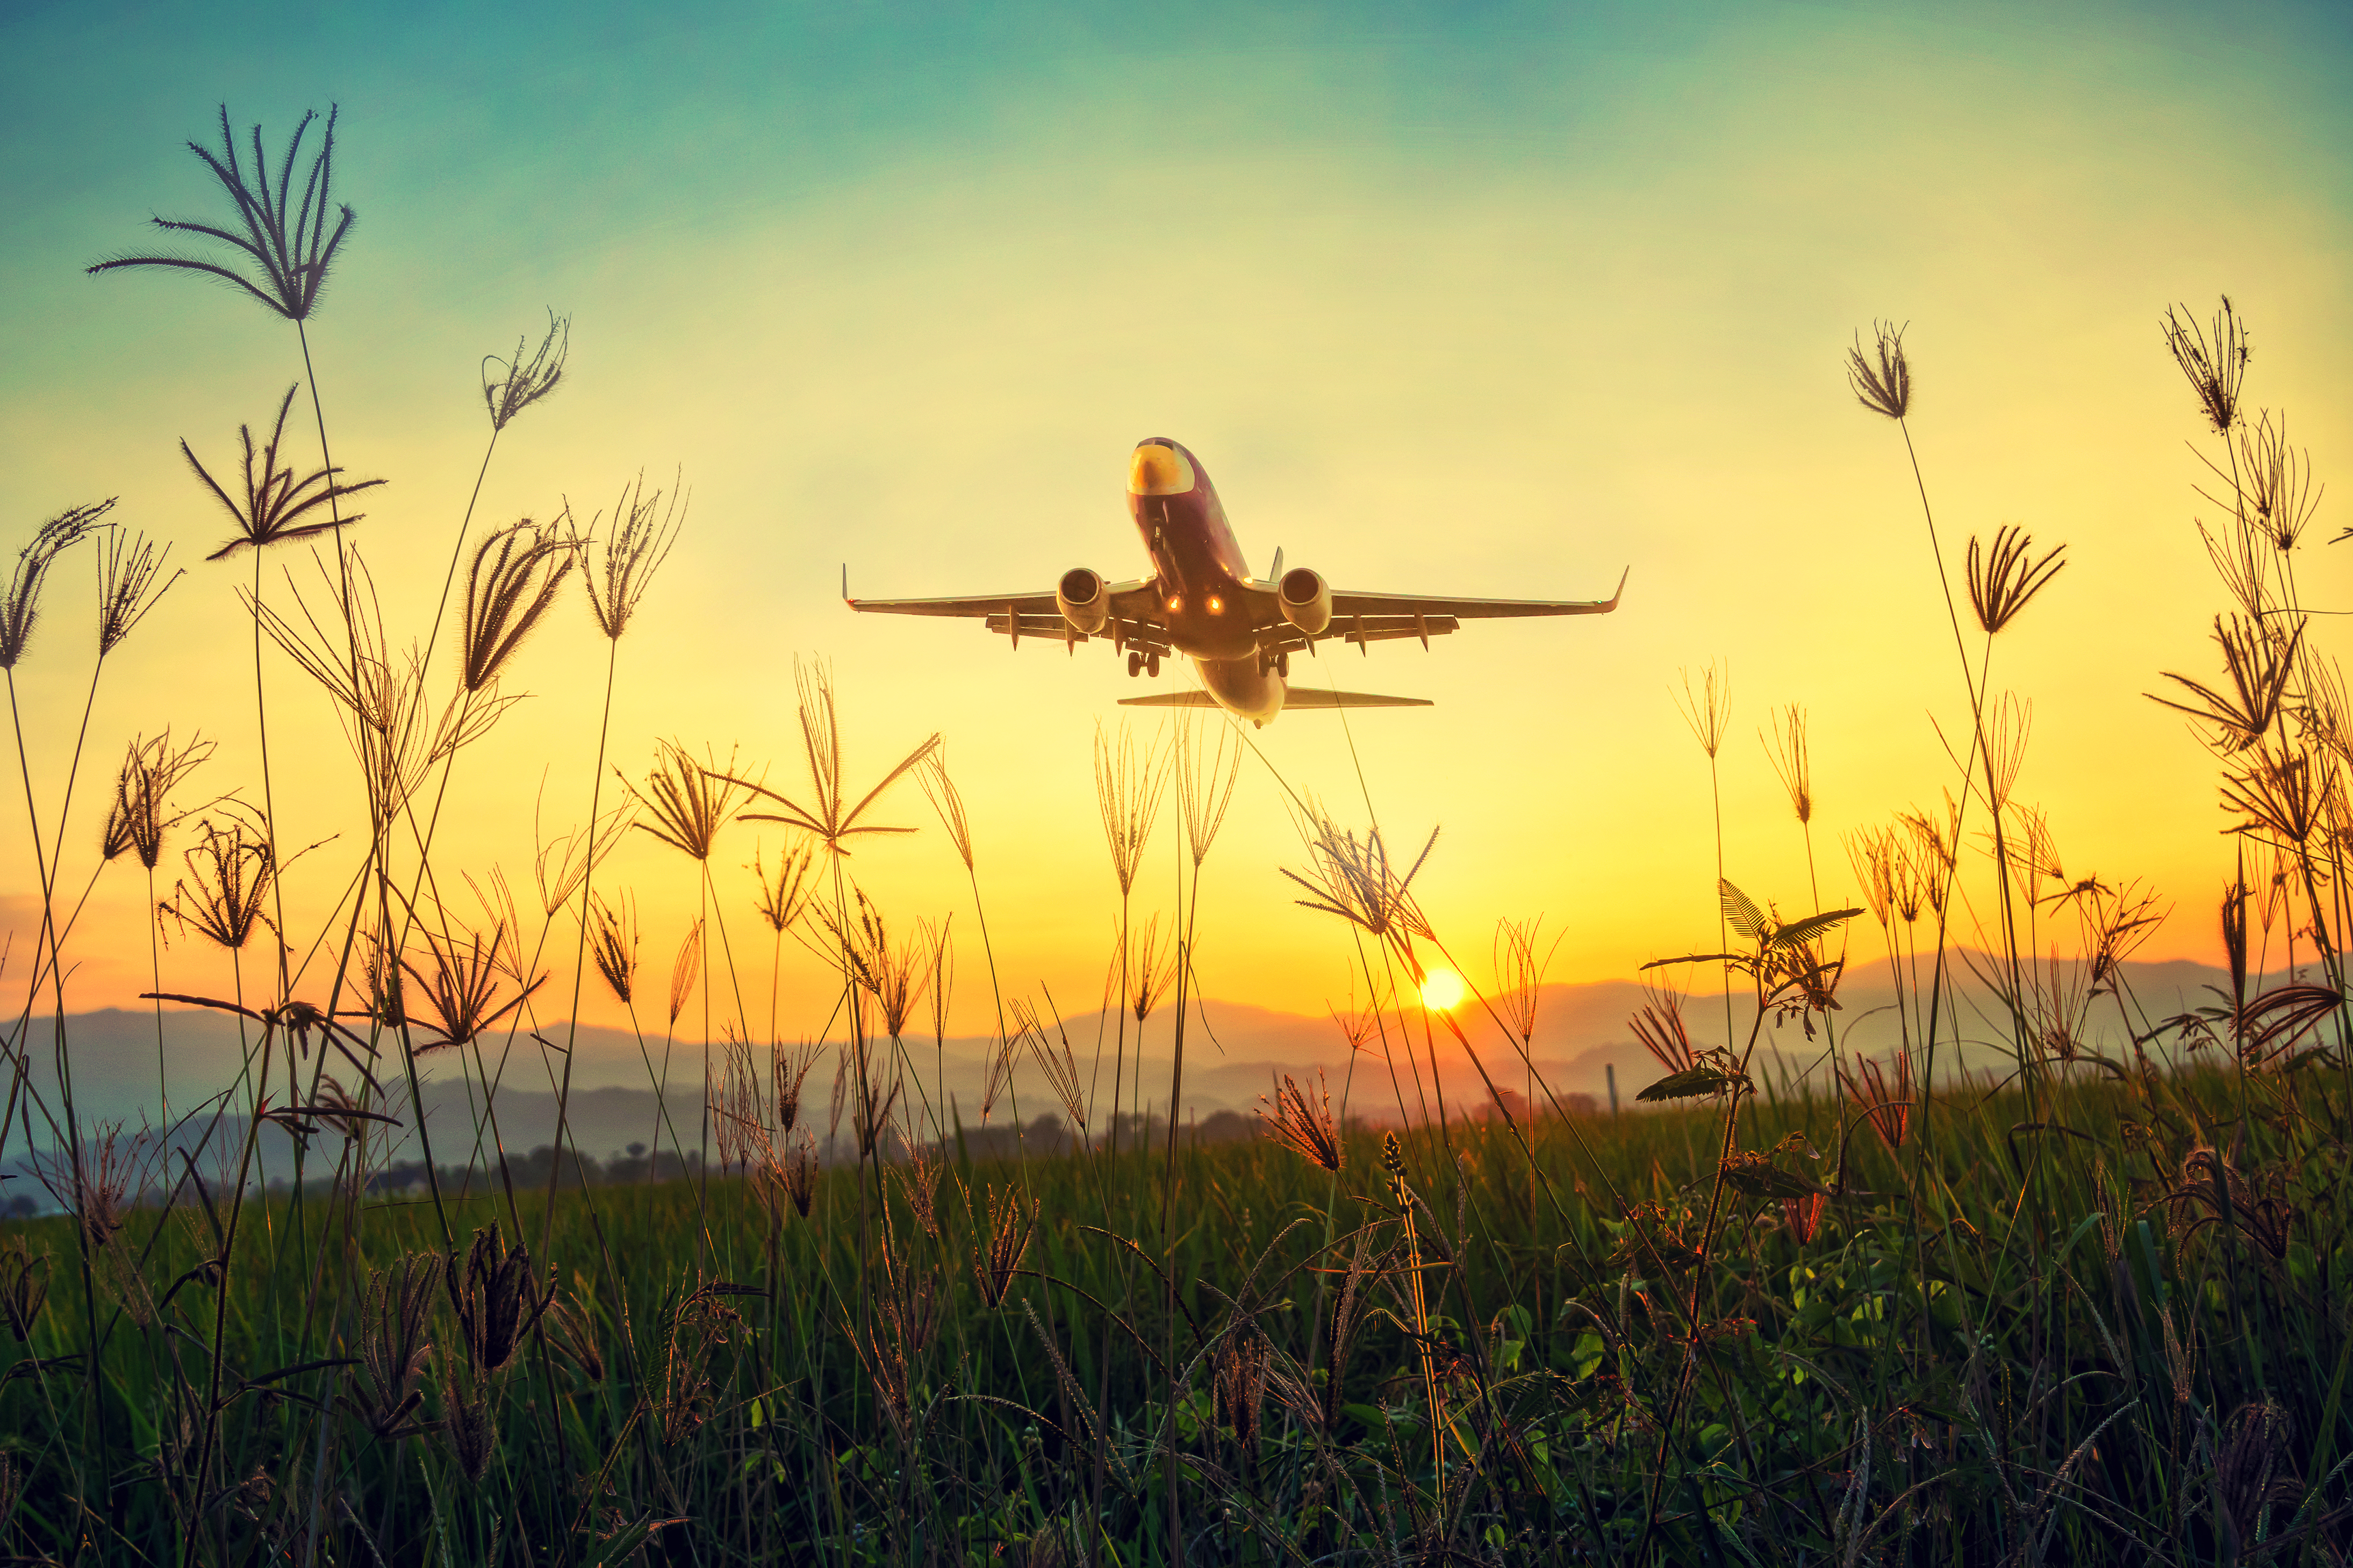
(1152, 665)
(1276, 663)
(1134, 664)
(1282, 664)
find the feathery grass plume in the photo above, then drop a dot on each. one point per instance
(467, 1420)
(1357, 1025)
(2270, 484)
(1129, 787)
(277, 499)
(522, 382)
(1151, 970)
(830, 818)
(685, 970)
(24, 1287)
(1785, 748)
(2214, 365)
(22, 606)
(996, 1074)
(140, 813)
(941, 962)
(1237, 1382)
(1054, 1056)
(737, 1114)
(789, 1069)
(2259, 660)
(1659, 1026)
(560, 866)
(919, 1183)
(1872, 852)
(1881, 381)
(1520, 972)
(128, 568)
(1803, 1216)
(2288, 792)
(292, 257)
(1708, 711)
(687, 801)
(389, 723)
(394, 1320)
(1007, 1232)
(785, 901)
(619, 567)
(1304, 1126)
(2004, 576)
(682, 1396)
(797, 1176)
(2010, 721)
(2237, 555)
(1355, 881)
(97, 1180)
(613, 943)
(495, 1297)
(229, 872)
(932, 778)
(1205, 780)
(498, 905)
(510, 583)
(1885, 1095)
(895, 976)
(464, 983)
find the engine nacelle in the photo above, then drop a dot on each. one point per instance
(1081, 598)
(1306, 600)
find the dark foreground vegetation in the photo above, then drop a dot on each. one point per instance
(2092, 1308)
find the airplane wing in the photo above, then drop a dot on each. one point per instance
(1365, 618)
(1017, 615)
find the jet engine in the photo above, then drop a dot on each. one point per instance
(1081, 598)
(1306, 600)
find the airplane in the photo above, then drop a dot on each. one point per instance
(1202, 602)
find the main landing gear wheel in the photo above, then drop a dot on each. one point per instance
(1152, 664)
(1134, 664)
(1282, 664)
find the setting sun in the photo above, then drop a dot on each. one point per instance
(1443, 991)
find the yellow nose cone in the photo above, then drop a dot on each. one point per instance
(1159, 471)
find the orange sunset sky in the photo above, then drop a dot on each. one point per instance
(1495, 300)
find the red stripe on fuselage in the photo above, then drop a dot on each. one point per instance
(1195, 561)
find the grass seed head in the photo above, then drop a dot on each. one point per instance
(522, 382)
(510, 585)
(2004, 576)
(289, 255)
(24, 1287)
(1881, 380)
(394, 1348)
(688, 802)
(618, 566)
(613, 944)
(128, 569)
(1784, 747)
(495, 1297)
(22, 606)
(2213, 364)
(140, 813)
(277, 501)
(1304, 1126)
(230, 868)
(1008, 1239)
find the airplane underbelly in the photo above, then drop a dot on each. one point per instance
(1238, 686)
(1224, 643)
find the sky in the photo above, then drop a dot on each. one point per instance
(1475, 299)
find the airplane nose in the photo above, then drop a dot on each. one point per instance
(1159, 470)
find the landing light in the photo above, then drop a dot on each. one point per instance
(1443, 991)
(1217, 606)
(1175, 606)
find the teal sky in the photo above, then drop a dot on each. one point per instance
(1470, 298)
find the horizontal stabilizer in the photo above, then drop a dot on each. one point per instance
(1297, 697)
(1317, 697)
